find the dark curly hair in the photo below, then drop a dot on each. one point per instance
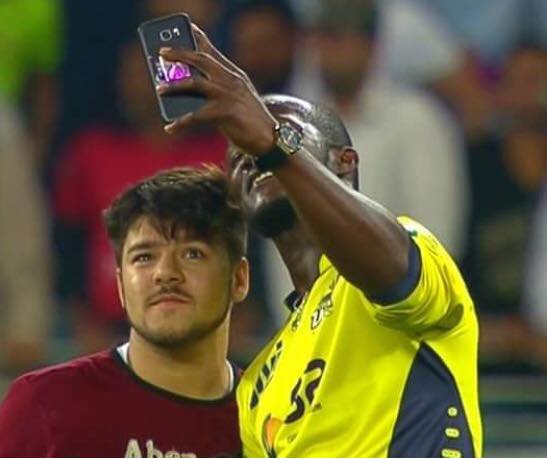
(194, 199)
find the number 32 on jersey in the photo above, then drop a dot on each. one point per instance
(302, 400)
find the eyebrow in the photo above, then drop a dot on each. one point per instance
(142, 246)
(147, 244)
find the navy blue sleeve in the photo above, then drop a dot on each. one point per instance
(405, 286)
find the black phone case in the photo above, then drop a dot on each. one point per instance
(173, 31)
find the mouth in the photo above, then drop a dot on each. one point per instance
(169, 300)
(258, 179)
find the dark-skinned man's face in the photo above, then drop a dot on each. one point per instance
(264, 202)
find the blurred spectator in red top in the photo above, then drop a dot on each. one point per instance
(96, 165)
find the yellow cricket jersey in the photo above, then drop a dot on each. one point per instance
(346, 377)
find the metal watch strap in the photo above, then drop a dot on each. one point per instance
(271, 160)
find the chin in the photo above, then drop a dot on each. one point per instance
(273, 218)
(162, 334)
(173, 333)
(166, 338)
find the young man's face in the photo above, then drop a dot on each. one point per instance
(176, 290)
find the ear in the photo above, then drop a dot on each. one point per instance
(119, 282)
(344, 162)
(240, 281)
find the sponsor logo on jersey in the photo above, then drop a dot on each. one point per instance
(266, 374)
(324, 308)
(134, 450)
(295, 322)
(297, 313)
(270, 428)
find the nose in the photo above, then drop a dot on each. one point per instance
(248, 162)
(237, 176)
(168, 270)
(245, 164)
(245, 167)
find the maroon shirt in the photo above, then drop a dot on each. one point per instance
(96, 406)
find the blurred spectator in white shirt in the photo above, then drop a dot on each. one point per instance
(25, 262)
(412, 159)
(494, 28)
(411, 154)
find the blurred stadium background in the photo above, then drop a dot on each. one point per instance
(445, 100)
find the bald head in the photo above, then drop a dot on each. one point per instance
(327, 123)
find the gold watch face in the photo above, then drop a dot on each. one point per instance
(290, 138)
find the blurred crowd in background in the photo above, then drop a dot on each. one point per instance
(446, 102)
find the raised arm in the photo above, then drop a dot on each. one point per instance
(362, 239)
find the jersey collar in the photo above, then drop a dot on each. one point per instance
(293, 299)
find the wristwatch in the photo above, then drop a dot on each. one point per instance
(288, 141)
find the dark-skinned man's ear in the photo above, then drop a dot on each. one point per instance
(344, 163)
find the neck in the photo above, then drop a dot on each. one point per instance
(300, 255)
(196, 370)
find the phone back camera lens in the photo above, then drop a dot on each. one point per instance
(166, 35)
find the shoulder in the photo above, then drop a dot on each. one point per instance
(40, 406)
(425, 239)
(413, 227)
(436, 261)
(64, 377)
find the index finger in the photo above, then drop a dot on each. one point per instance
(204, 44)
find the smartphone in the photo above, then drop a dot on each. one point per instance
(174, 31)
